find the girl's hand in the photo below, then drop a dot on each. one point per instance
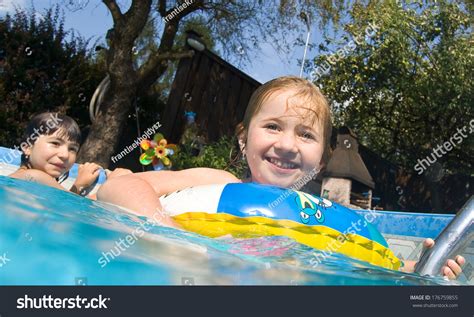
(86, 175)
(117, 172)
(452, 269)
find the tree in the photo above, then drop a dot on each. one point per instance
(42, 67)
(236, 25)
(152, 102)
(407, 87)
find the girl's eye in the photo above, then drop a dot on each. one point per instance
(55, 143)
(272, 126)
(74, 149)
(307, 135)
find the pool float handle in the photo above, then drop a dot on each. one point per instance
(458, 235)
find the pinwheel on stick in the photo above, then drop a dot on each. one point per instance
(157, 152)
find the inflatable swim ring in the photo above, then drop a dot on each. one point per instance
(247, 210)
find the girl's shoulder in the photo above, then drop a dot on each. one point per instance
(37, 176)
(20, 173)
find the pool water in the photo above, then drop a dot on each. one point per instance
(53, 237)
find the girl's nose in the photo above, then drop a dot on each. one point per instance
(286, 142)
(63, 152)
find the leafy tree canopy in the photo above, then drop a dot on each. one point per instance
(43, 68)
(407, 86)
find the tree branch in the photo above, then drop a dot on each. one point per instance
(175, 55)
(137, 16)
(148, 75)
(162, 8)
(148, 71)
(114, 10)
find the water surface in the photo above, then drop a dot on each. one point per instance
(53, 237)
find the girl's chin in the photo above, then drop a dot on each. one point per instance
(285, 183)
(54, 173)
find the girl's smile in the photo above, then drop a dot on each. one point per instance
(282, 144)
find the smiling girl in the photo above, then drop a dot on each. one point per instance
(50, 146)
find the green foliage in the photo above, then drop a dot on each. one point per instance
(408, 88)
(42, 68)
(223, 154)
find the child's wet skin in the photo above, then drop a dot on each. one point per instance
(282, 144)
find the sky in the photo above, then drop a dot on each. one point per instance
(94, 21)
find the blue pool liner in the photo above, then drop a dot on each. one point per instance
(423, 225)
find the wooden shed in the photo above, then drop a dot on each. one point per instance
(211, 87)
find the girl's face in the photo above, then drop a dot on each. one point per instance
(282, 143)
(52, 154)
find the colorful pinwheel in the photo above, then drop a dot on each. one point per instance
(157, 152)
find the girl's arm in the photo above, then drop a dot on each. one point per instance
(165, 182)
(140, 192)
